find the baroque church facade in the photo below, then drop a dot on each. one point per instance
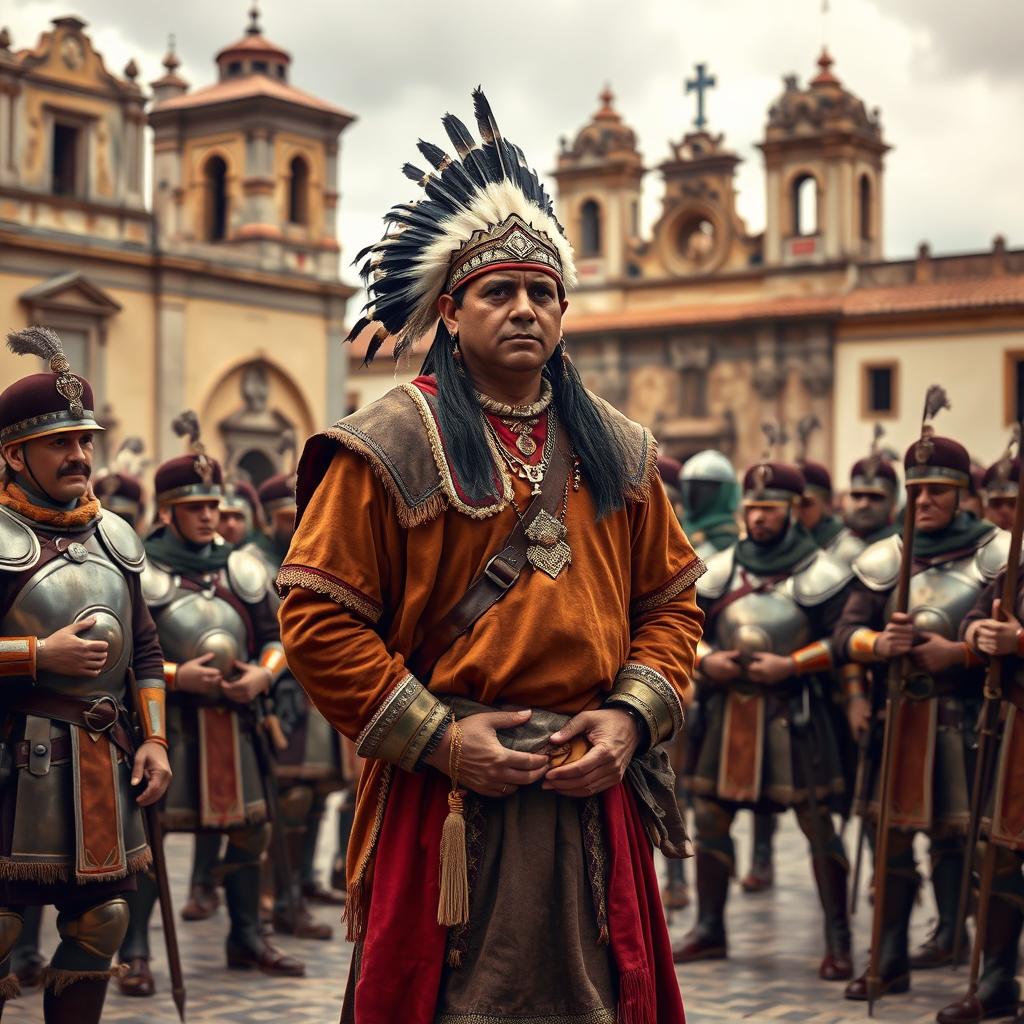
(180, 299)
(704, 330)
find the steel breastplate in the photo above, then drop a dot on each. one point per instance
(769, 621)
(195, 623)
(846, 546)
(82, 584)
(941, 596)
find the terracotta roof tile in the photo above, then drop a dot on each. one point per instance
(942, 295)
(246, 87)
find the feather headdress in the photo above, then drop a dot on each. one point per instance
(186, 424)
(484, 208)
(808, 425)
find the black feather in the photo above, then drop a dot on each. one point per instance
(413, 173)
(490, 134)
(467, 149)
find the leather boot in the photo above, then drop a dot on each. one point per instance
(893, 963)
(203, 901)
(937, 949)
(707, 939)
(292, 916)
(138, 979)
(246, 948)
(135, 945)
(676, 894)
(27, 962)
(837, 964)
(998, 991)
(761, 876)
(79, 1003)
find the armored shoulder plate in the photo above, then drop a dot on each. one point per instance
(822, 579)
(991, 558)
(248, 576)
(19, 546)
(121, 542)
(878, 568)
(158, 585)
(714, 583)
(846, 546)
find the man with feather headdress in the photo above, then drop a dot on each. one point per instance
(954, 556)
(489, 592)
(73, 625)
(214, 610)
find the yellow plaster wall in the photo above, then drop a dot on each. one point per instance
(969, 362)
(220, 337)
(131, 367)
(286, 148)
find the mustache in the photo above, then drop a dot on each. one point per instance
(75, 468)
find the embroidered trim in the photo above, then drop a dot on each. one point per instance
(447, 481)
(325, 583)
(686, 577)
(356, 907)
(394, 705)
(661, 687)
(597, 863)
(51, 872)
(600, 1016)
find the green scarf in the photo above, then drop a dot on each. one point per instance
(882, 533)
(826, 531)
(271, 548)
(163, 547)
(720, 512)
(963, 533)
(792, 548)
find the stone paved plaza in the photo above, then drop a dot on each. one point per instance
(771, 975)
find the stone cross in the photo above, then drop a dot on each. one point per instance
(700, 86)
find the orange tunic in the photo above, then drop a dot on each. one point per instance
(362, 590)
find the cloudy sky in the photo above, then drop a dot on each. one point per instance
(946, 74)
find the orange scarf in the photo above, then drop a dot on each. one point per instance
(14, 498)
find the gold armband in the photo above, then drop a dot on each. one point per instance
(171, 675)
(152, 698)
(274, 661)
(853, 680)
(653, 696)
(703, 650)
(816, 657)
(861, 646)
(402, 725)
(18, 656)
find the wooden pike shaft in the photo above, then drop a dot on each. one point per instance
(893, 707)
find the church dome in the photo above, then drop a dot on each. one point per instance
(253, 54)
(825, 106)
(605, 138)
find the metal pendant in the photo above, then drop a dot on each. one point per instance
(526, 444)
(549, 552)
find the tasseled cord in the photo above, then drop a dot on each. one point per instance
(453, 901)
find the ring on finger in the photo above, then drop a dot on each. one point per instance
(506, 789)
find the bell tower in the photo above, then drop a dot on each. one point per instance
(245, 170)
(599, 177)
(823, 155)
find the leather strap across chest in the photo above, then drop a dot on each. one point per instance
(499, 573)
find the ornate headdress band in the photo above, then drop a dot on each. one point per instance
(485, 209)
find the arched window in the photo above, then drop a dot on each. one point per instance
(804, 197)
(590, 215)
(215, 175)
(865, 208)
(298, 191)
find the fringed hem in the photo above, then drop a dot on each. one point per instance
(321, 582)
(10, 987)
(354, 914)
(59, 980)
(636, 997)
(408, 515)
(53, 874)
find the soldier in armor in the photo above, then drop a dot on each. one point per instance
(955, 556)
(309, 768)
(241, 518)
(815, 511)
(216, 618)
(999, 490)
(768, 741)
(710, 495)
(998, 993)
(73, 626)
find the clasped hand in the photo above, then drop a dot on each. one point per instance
(491, 769)
(994, 637)
(928, 651)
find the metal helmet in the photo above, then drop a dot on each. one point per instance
(710, 466)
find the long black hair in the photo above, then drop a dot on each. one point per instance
(599, 448)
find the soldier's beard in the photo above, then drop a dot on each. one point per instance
(867, 520)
